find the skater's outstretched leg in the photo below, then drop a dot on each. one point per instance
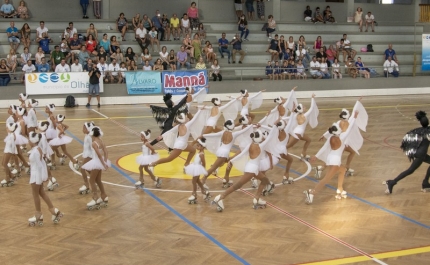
(21, 157)
(350, 156)
(218, 163)
(150, 173)
(191, 152)
(264, 181)
(341, 177)
(237, 185)
(64, 148)
(289, 159)
(308, 141)
(330, 173)
(174, 154)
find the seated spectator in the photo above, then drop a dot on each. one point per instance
(25, 56)
(164, 56)
(12, 60)
(331, 55)
(114, 44)
(284, 68)
(83, 56)
(318, 44)
(156, 22)
(56, 56)
(324, 69)
(175, 27)
(135, 21)
(271, 26)
(361, 69)
(64, 48)
(28, 69)
(351, 68)
(104, 69)
(88, 66)
(336, 69)
(391, 67)
(44, 43)
(390, 53)
(188, 44)
(328, 17)
(308, 14)
(153, 39)
(147, 23)
(292, 46)
(172, 60)
(318, 17)
(115, 76)
(243, 27)
(193, 15)
(43, 67)
(200, 64)
(76, 66)
(141, 37)
(185, 25)
(165, 23)
(269, 70)
(133, 66)
(122, 70)
(321, 54)
(202, 32)
(22, 10)
(215, 71)
(315, 69)
(302, 54)
(62, 67)
(358, 18)
(292, 70)
(39, 55)
(147, 66)
(237, 48)
(210, 54)
(4, 73)
(277, 71)
(301, 70)
(91, 45)
(26, 35)
(7, 10)
(92, 31)
(370, 21)
(340, 49)
(40, 30)
(182, 57)
(75, 46)
(347, 47)
(129, 56)
(223, 47)
(73, 30)
(105, 43)
(67, 34)
(121, 25)
(13, 36)
(273, 48)
(146, 56)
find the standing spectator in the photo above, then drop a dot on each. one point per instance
(175, 27)
(269, 70)
(84, 5)
(25, 56)
(200, 64)
(193, 15)
(182, 57)
(115, 77)
(13, 36)
(250, 8)
(62, 67)
(40, 30)
(358, 18)
(185, 25)
(361, 69)
(260, 9)
(324, 69)
(223, 47)
(97, 7)
(121, 25)
(75, 46)
(273, 48)
(141, 37)
(238, 8)
(318, 17)
(43, 67)
(7, 10)
(94, 88)
(271, 26)
(237, 48)
(347, 47)
(391, 67)
(26, 35)
(56, 56)
(83, 56)
(391, 53)
(153, 39)
(308, 14)
(27, 69)
(243, 27)
(76, 66)
(315, 68)
(370, 20)
(4, 73)
(216, 74)
(22, 11)
(156, 22)
(336, 69)
(166, 26)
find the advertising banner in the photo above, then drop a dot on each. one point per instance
(58, 83)
(174, 82)
(425, 58)
(140, 83)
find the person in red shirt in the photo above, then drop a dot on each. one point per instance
(91, 45)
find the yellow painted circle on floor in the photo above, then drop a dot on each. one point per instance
(173, 169)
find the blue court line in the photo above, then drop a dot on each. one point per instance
(168, 207)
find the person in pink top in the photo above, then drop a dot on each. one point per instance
(318, 44)
(193, 15)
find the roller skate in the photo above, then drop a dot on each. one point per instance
(5, 183)
(23, 148)
(215, 173)
(270, 188)
(52, 166)
(77, 166)
(260, 204)
(226, 184)
(254, 183)
(62, 159)
(206, 187)
(309, 197)
(318, 171)
(94, 204)
(288, 180)
(139, 184)
(425, 187)
(341, 195)
(33, 221)
(349, 172)
(305, 158)
(390, 184)
(15, 173)
(104, 202)
(52, 183)
(27, 170)
(206, 196)
(219, 203)
(84, 190)
(10, 165)
(158, 182)
(57, 216)
(192, 200)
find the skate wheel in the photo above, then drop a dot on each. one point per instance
(219, 209)
(225, 186)
(40, 223)
(32, 224)
(90, 208)
(158, 186)
(50, 189)
(98, 207)
(56, 221)
(82, 192)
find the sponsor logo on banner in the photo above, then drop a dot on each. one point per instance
(146, 82)
(58, 83)
(175, 82)
(425, 58)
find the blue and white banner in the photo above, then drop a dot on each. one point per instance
(146, 82)
(425, 58)
(58, 83)
(175, 82)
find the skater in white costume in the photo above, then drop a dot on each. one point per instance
(37, 177)
(228, 110)
(196, 169)
(9, 151)
(20, 139)
(331, 155)
(47, 154)
(31, 115)
(255, 101)
(300, 120)
(62, 140)
(191, 96)
(22, 100)
(87, 155)
(95, 166)
(13, 160)
(147, 157)
(51, 133)
(248, 162)
(282, 109)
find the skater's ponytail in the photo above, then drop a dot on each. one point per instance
(422, 117)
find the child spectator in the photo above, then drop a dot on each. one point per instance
(269, 70)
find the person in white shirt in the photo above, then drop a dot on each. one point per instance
(122, 70)
(336, 69)
(324, 69)
(391, 67)
(72, 30)
(370, 20)
(113, 72)
(62, 67)
(76, 66)
(301, 55)
(25, 56)
(40, 30)
(103, 68)
(315, 69)
(347, 47)
(141, 37)
(28, 68)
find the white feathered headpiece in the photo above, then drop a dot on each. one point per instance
(94, 129)
(51, 107)
(181, 118)
(243, 92)
(20, 111)
(299, 108)
(43, 126)
(229, 125)
(257, 136)
(23, 96)
(34, 137)
(11, 126)
(89, 125)
(337, 130)
(278, 100)
(344, 114)
(13, 108)
(244, 120)
(146, 134)
(60, 117)
(281, 125)
(32, 102)
(216, 101)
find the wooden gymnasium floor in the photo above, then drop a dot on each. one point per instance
(160, 227)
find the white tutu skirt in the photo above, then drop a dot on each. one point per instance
(20, 140)
(251, 167)
(333, 160)
(145, 160)
(10, 147)
(51, 133)
(223, 151)
(60, 141)
(265, 163)
(49, 152)
(195, 170)
(95, 164)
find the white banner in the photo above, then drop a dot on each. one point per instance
(58, 83)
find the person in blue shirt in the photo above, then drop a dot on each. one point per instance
(223, 47)
(277, 71)
(156, 21)
(390, 53)
(360, 66)
(7, 10)
(44, 43)
(269, 70)
(237, 48)
(273, 48)
(13, 36)
(43, 67)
